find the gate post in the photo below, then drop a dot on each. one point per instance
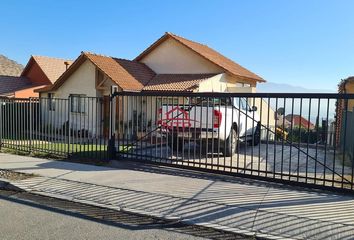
(68, 129)
(111, 142)
(1, 122)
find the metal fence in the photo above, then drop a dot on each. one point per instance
(282, 137)
(74, 127)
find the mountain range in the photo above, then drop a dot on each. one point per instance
(9, 67)
(271, 87)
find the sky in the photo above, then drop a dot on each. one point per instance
(307, 43)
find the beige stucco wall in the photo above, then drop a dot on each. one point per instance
(223, 83)
(82, 81)
(173, 57)
(214, 84)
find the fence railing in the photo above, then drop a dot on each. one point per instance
(72, 127)
(294, 138)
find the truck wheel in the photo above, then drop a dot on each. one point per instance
(256, 136)
(231, 144)
(175, 143)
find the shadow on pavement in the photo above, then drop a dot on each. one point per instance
(111, 217)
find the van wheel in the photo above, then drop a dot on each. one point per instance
(231, 144)
(175, 143)
(256, 136)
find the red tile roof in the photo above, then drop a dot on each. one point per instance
(176, 82)
(127, 74)
(53, 68)
(11, 84)
(213, 56)
(300, 121)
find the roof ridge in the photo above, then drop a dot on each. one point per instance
(103, 55)
(217, 52)
(175, 35)
(207, 53)
(188, 74)
(64, 59)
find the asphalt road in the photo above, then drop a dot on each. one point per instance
(23, 218)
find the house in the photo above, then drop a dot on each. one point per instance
(172, 63)
(299, 121)
(39, 72)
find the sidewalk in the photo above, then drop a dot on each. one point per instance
(229, 203)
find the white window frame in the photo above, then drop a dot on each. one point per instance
(79, 99)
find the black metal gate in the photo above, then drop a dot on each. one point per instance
(293, 138)
(302, 139)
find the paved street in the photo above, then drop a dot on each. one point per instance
(229, 203)
(22, 220)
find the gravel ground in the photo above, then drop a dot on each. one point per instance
(14, 176)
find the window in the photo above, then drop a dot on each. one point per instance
(77, 103)
(51, 102)
(242, 102)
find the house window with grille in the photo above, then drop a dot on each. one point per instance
(78, 103)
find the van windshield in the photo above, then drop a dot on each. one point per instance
(199, 101)
(238, 102)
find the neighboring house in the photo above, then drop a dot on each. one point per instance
(172, 63)
(299, 121)
(39, 72)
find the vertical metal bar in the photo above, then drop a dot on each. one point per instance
(253, 135)
(200, 128)
(260, 135)
(69, 124)
(282, 141)
(1, 124)
(189, 133)
(291, 134)
(225, 130)
(232, 124)
(275, 137)
(344, 140)
(246, 137)
(267, 140)
(195, 131)
(142, 134)
(326, 142)
(238, 134)
(207, 133)
(308, 140)
(219, 126)
(30, 124)
(161, 135)
(317, 130)
(299, 143)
